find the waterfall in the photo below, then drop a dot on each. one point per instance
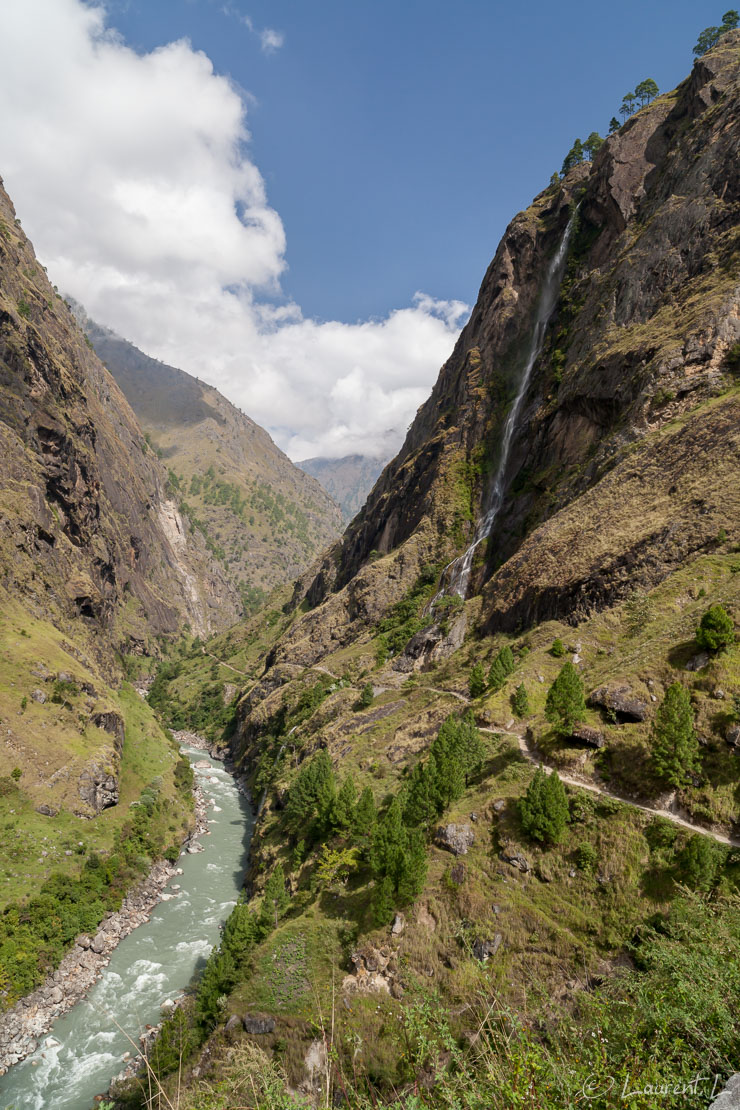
(457, 573)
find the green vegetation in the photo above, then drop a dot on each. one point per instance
(502, 666)
(477, 681)
(558, 649)
(408, 616)
(36, 932)
(544, 808)
(716, 629)
(710, 36)
(675, 751)
(566, 703)
(520, 701)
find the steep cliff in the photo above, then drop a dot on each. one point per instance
(622, 460)
(263, 518)
(90, 532)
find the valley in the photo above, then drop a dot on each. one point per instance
(490, 735)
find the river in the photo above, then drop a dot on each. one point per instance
(153, 963)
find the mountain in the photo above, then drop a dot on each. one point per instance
(533, 582)
(99, 573)
(347, 480)
(261, 516)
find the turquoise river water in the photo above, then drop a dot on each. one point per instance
(85, 1050)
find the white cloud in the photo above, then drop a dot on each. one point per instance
(131, 175)
(270, 40)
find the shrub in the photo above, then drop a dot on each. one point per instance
(544, 808)
(587, 858)
(716, 629)
(732, 358)
(366, 696)
(558, 649)
(699, 863)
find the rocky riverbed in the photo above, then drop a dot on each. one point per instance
(23, 1026)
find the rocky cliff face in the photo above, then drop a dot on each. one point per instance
(624, 460)
(264, 519)
(88, 531)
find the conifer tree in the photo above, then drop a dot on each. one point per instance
(675, 751)
(646, 91)
(311, 797)
(275, 900)
(544, 808)
(342, 810)
(241, 933)
(398, 859)
(365, 815)
(566, 703)
(716, 629)
(450, 777)
(420, 804)
(574, 157)
(468, 744)
(592, 145)
(614, 125)
(502, 666)
(477, 681)
(520, 701)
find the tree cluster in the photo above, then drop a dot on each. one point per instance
(710, 36)
(644, 92)
(582, 152)
(454, 756)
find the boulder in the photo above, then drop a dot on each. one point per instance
(234, 1025)
(698, 662)
(112, 723)
(620, 701)
(399, 924)
(39, 696)
(733, 736)
(259, 1025)
(455, 838)
(484, 949)
(729, 1096)
(585, 734)
(516, 859)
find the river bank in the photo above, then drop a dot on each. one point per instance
(150, 968)
(31, 1018)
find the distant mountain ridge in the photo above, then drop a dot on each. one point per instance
(348, 480)
(263, 517)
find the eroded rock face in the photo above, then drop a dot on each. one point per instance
(98, 787)
(259, 1025)
(620, 701)
(590, 737)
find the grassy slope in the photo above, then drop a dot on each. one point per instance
(560, 923)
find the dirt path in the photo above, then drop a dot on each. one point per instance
(592, 788)
(227, 665)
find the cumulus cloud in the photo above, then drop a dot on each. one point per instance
(132, 176)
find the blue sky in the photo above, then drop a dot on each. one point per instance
(297, 201)
(397, 139)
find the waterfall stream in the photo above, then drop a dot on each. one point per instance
(456, 574)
